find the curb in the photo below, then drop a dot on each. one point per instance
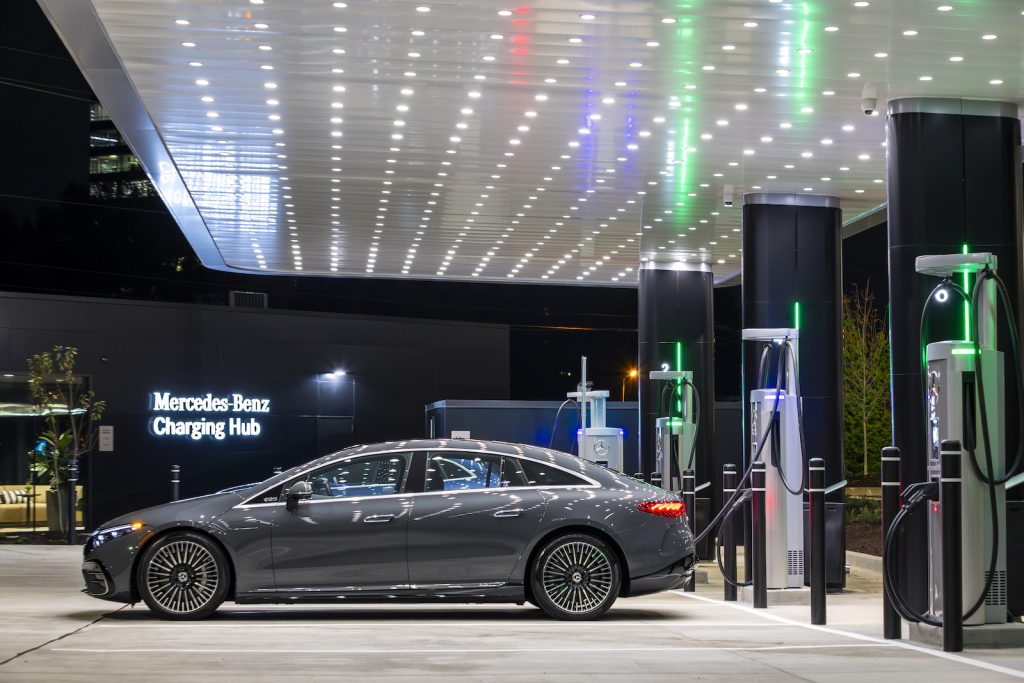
(864, 562)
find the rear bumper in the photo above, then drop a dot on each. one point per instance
(670, 578)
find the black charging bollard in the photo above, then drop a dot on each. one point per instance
(690, 502)
(816, 502)
(640, 476)
(278, 470)
(952, 566)
(758, 539)
(72, 512)
(727, 531)
(655, 478)
(175, 481)
(892, 628)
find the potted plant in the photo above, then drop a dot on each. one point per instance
(70, 413)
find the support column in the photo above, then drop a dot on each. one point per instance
(792, 277)
(954, 183)
(676, 328)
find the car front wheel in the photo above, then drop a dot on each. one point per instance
(575, 577)
(183, 575)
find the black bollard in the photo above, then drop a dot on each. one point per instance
(891, 625)
(278, 470)
(758, 539)
(655, 479)
(175, 481)
(952, 563)
(816, 501)
(72, 512)
(690, 501)
(728, 532)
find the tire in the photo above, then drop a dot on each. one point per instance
(575, 577)
(183, 576)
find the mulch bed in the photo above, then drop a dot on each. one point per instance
(863, 537)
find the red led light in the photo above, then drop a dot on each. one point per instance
(663, 508)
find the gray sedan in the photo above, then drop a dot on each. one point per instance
(420, 521)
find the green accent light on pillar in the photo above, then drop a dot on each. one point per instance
(679, 382)
(963, 352)
(967, 306)
(796, 315)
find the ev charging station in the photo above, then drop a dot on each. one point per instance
(964, 398)
(776, 440)
(675, 441)
(596, 440)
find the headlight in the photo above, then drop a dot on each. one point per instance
(101, 536)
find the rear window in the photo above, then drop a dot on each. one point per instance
(545, 475)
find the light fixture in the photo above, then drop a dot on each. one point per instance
(910, 32)
(989, 36)
(881, 55)
(956, 58)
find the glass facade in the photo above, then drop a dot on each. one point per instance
(114, 172)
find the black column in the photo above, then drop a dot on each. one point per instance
(676, 320)
(953, 179)
(792, 268)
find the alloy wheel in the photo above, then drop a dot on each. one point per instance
(182, 577)
(577, 577)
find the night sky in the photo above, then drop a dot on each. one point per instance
(57, 240)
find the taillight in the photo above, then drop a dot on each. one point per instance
(663, 508)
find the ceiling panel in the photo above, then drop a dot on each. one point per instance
(547, 141)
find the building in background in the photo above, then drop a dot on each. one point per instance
(114, 171)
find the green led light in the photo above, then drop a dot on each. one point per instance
(963, 352)
(679, 382)
(967, 306)
(796, 315)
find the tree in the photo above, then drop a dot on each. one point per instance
(70, 413)
(866, 395)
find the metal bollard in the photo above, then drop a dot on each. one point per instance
(728, 531)
(72, 512)
(758, 538)
(892, 628)
(952, 579)
(175, 481)
(816, 500)
(690, 501)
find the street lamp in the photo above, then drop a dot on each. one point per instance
(632, 375)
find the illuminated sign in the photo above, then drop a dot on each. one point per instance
(206, 416)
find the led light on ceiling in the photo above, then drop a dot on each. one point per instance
(910, 32)
(989, 36)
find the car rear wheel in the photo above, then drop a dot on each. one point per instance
(183, 575)
(575, 577)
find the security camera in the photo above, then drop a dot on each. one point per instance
(869, 100)
(727, 195)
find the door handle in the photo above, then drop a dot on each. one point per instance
(377, 519)
(508, 513)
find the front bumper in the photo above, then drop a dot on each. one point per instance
(107, 570)
(670, 578)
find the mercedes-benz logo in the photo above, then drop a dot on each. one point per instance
(601, 447)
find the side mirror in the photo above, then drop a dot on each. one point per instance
(300, 490)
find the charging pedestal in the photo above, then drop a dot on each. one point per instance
(954, 414)
(679, 426)
(784, 514)
(597, 441)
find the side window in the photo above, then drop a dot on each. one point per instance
(544, 475)
(379, 475)
(460, 471)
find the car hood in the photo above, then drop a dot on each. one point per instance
(191, 511)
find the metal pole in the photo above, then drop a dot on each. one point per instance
(892, 628)
(72, 502)
(175, 481)
(690, 501)
(816, 499)
(729, 532)
(952, 563)
(758, 538)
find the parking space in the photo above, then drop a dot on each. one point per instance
(51, 631)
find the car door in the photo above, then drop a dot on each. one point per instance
(472, 521)
(351, 534)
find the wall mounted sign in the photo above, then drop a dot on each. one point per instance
(206, 416)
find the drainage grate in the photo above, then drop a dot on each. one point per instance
(796, 562)
(997, 593)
